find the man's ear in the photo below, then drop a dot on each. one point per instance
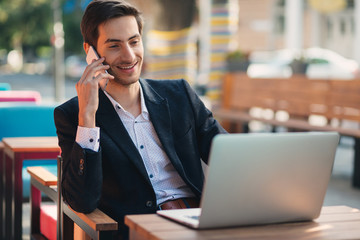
(86, 47)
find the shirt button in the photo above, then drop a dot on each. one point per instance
(91, 140)
(142, 146)
(149, 204)
(151, 176)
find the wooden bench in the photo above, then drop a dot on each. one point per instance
(93, 224)
(293, 103)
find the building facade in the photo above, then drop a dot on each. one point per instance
(276, 24)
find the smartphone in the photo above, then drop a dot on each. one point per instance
(91, 55)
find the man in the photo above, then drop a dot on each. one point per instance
(130, 145)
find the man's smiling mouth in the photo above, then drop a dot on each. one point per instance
(127, 67)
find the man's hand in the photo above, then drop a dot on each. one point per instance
(87, 90)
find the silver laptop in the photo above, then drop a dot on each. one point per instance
(263, 178)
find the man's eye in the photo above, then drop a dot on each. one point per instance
(113, 46)
(134, 42)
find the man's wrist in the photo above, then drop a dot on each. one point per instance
(87, 120)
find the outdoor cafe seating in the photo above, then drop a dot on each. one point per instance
(20, 119)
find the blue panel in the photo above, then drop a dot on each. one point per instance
(5, 87)
(26, 120)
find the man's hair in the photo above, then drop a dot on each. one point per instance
(100, 11)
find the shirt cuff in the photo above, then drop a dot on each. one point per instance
(88, 138)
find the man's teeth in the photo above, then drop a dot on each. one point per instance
(127, 67)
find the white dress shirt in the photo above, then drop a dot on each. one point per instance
(165, 180)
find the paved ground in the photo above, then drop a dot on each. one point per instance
(340, 191)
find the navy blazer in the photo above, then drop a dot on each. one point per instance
(114, 179)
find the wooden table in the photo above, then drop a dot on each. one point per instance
(335, 222)
(16, 150)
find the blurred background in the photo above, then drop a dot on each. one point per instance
(199, 40)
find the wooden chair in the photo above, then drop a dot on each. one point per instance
(93, 224)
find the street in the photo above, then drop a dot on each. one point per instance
(41, 83)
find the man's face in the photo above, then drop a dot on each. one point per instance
(121, 44)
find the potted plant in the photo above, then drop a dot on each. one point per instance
(237, 61)
(299, 64)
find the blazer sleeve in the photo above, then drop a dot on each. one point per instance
(206, 125)
(82, 168)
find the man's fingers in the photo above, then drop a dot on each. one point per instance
(93, 70)
(101, 68)
(103, 75)
(93, 64)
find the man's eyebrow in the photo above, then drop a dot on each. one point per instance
(110, 40)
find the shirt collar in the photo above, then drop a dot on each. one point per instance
(142, 102)
(117, 105)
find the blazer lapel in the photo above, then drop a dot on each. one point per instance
(108, 120)
(160, 117)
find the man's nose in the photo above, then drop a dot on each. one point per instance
(127, 54)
